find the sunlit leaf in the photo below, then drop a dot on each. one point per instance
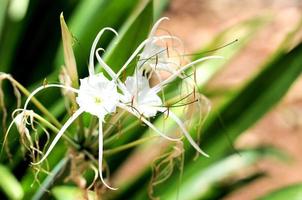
(71, 193)
(292, 192)
(9, 184)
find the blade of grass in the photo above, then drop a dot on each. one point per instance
(9, 184)
(201, 185)
(293, 192)
(50, 179)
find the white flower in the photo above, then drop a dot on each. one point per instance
(141, 97)
(97, 95)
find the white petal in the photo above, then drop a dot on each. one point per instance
(59, 135)
(185, 132)
(148, 123)
(101, 155)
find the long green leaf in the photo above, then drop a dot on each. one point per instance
(133, 32)
(71, 193)
(247, 107)
(9, 184)
(205, 71)
(3, 11)
(292, 192)
(98, 12)
(50, 179)
(202, 183)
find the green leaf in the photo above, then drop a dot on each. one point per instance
(3, 11)
(159, 7)
(71, 193)
(133, 32)
(292, 192)
(86, 21)
(254, 99)
(50, 179)
(9, 184)
(201, 184)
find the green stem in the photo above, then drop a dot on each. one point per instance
(125, 130)
(129, 145)
(50, 179)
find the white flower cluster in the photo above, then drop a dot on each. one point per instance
(100, 96)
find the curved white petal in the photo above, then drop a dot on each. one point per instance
(158, 87)
(94, 44)
(101, 155)
(47, 86)
(155, 26)
(59, 135)
(148, 123)
(111, 73)
(185, 132)
(104, 64)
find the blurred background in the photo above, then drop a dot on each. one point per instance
(31, 50)
(196, 22)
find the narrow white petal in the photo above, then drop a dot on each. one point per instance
(111, 73)
(59, 135)
(44, 87)
(155, 26)
(104, 65)
(185, 132)
(148, 123)
(101, 155)
(94, 44)
(178, 72)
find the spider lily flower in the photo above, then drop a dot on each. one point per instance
(156, 58)
(144, 100)
(97, 96)
(100, 96)
(140, 99)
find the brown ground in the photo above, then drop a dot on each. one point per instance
(196, 22)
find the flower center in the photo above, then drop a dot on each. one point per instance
(98, 100)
